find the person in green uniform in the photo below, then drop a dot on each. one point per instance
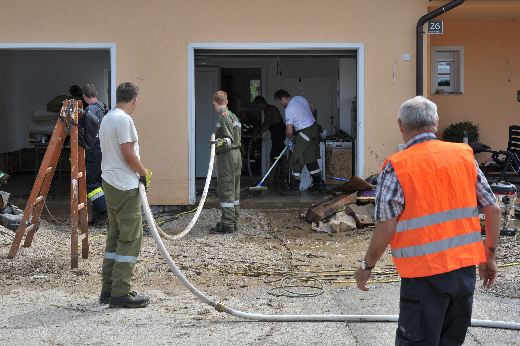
(229, 164)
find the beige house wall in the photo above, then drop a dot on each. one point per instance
(491, 78)
(152, 40)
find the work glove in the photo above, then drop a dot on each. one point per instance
(220, 142)
(289, 143)
(145, 179)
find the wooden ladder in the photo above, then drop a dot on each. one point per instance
(68, 120)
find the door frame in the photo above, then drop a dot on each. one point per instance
(192, 47)
(73, 46)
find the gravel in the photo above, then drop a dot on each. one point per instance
(44, 302)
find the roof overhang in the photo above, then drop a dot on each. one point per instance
(481, 11)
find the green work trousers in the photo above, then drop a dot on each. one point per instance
(125, 233)
(306, 150)
(229, 165)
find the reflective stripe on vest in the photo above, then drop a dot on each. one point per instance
(438, 230)
(95, 194)
(436, 218)
(437, 246)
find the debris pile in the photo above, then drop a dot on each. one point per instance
(351, 206)
(10, 215)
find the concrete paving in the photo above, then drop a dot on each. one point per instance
(58, 317)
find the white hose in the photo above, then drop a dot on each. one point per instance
(220, 307)
(201, 203)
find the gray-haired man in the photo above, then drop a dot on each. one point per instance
(426, 209)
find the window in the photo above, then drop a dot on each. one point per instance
(447, 70)
(254, 89)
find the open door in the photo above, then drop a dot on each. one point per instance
(207, 81)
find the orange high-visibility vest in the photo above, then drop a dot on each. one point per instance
(439, 229)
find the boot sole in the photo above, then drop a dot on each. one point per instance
(128, 306)
(104, 301)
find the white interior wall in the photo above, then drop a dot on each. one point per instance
(347, 91)
(39, 76)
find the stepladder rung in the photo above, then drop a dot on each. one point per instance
(29, 228)
(39, 200)
(81, 206)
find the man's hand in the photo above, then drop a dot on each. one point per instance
(146, 179)
(488, 273)
(362, 277)
(220, 142)
(289, 143)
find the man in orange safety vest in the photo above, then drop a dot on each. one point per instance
(426, 209)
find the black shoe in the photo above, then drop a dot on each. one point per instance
(293, 188)
(100, 220)
(222, 229)
(317, 183)
(104, 297)
(131, 300)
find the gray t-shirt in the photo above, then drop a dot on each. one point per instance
(117, 128)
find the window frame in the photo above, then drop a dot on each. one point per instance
(458, 70)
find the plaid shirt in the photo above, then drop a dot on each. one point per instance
(390, 195)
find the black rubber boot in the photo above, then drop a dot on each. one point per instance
(293, 188)
(104, 297)
(317, 183)
(222, 229)
(99, 220)
(130, 301)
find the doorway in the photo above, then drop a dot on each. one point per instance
(328, 75)
(34, 76)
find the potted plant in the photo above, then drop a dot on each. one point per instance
(457, 131)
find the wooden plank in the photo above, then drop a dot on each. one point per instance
(74, 187)
(363, 214)
(324, 209)
(83, 214)
(355, 184)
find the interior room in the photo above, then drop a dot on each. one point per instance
(33, 83)
(327, 79)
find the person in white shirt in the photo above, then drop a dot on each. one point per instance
(303, 133)
(122, 171)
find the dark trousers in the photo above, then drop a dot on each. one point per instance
(436, 310)
(94, 181)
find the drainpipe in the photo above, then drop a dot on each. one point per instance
(420, 32)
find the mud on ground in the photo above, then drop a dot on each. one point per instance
(271, 245)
